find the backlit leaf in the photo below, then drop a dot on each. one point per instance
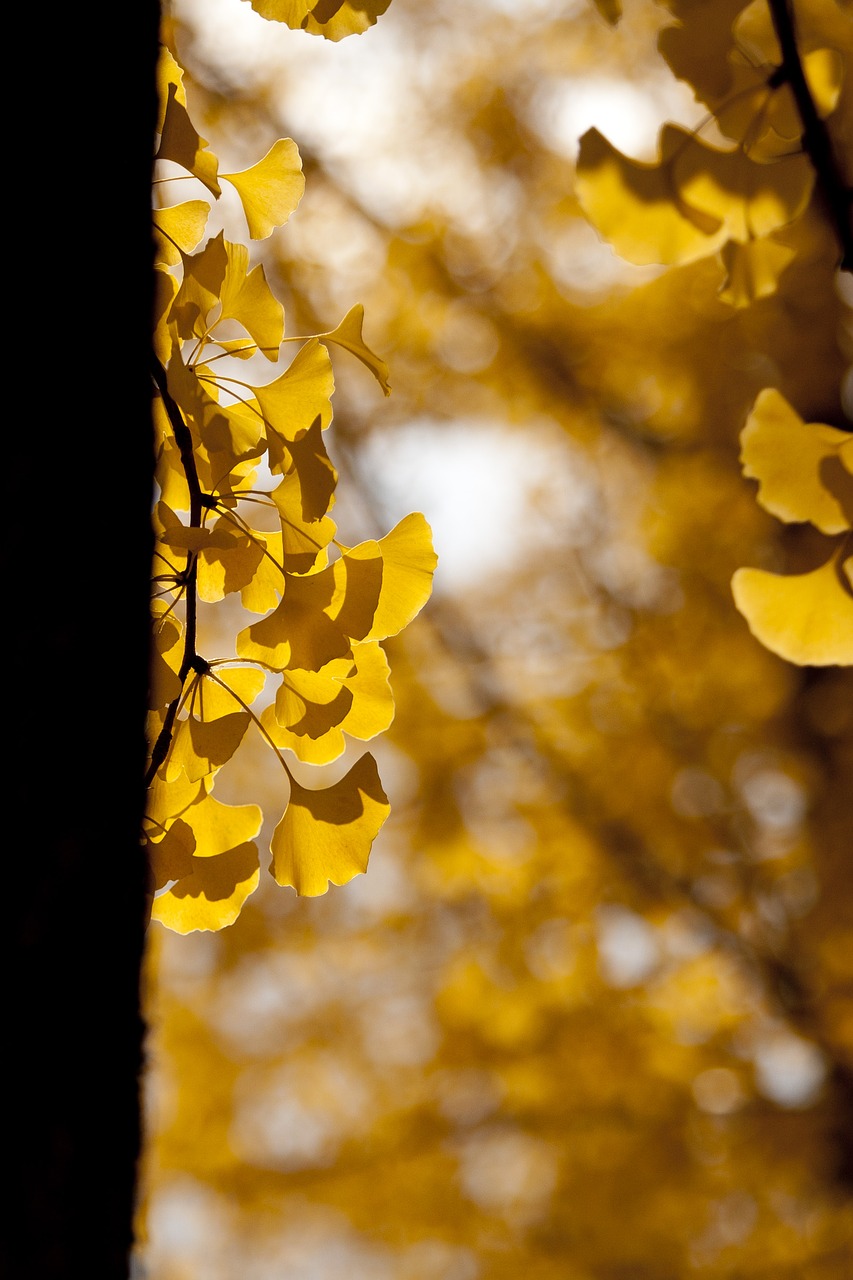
(179, 229)
(348, 334)
(271, 189)
(806, 618)
(180, 143)
(200, 748)
(292, 402)
(325, 836)
(212, 895)
(799, 466)
(632, 205)
(753, 270)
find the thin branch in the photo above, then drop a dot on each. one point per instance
(184, 441)
(817, 144)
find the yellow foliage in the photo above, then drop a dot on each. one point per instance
(214, 430)
(590, 1007)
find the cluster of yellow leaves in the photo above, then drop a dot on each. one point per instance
(805, 473)
(699, 200)
(322, 608)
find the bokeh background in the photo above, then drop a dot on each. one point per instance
(589, 1015)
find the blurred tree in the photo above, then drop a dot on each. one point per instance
(589, 1015)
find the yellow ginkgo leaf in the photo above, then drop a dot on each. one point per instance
(308, 712)
(299, 633)
(800, 467)
(337, 19)
(271, 189)
(180, 143)
(166, 654)
(217, 827)
(752, 270)
(293, 13)
(632, 206)
(247, 298)
(806, 618)
(265, 590)
(170, 77)
(325, 836)
(334, 19)
(165, 289)
(303, 540)
(167, 800)
(316, 476)
(348, 334)
(171, 857)
(179, 228)
(204, 273)
(302, 393)
(749, 199)
(216, 691)
(200, 748)
(223, 570)
(372, 707)
(212, 895)
(381, 586)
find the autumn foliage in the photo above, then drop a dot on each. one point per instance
(588, 1015)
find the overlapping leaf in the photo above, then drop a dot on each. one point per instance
(805, 473)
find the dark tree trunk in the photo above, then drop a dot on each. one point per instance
(77, 548)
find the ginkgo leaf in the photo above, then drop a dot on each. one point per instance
(372, 709)
(632, 205)
(166, 654)
(234, 431)
(299, 633)
(381, 586)
(748, 199)
(800, 467)
(180, 142)
(325, 836)
(181, 537)
(247, 298)
(271, 189)
(204, 273)
(168, 800)
(171, 857)
(265, 590)
(199, 748)
(348, 334)
(217, 827)
(806, 618)
(337, 19)
(316, 476)
(308, 711)
(302, 393)
(293, 13)
(216, 690)
(220, 571)
(303, 540)
(753, 270)
(179, 229)
(165, 290)
(212, 895)
(170, 79)
(697, 47)
(333, 19)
